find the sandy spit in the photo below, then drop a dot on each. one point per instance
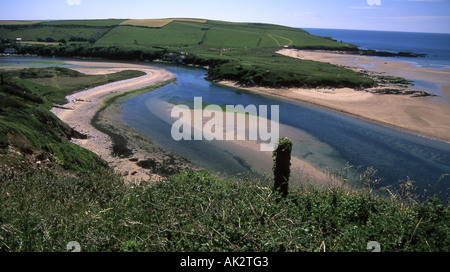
(419, 115)
(84, 104)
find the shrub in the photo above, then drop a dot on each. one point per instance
(197, 211)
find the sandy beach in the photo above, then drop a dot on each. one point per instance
(83, 105)
(420, 115)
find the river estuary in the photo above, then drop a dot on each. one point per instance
(323, 138)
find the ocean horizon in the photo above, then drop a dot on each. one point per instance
(436, 46)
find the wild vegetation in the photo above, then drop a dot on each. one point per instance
(263, 68)
(200, 212)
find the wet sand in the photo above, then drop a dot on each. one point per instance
(303, 173)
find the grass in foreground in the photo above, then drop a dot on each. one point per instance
(199, 212)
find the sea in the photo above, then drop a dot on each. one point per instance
(436, 46)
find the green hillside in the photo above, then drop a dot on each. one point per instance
(85, 23)
(176, 32)
(215, 34)
(171, 35)
(241, 52)
(57, 30)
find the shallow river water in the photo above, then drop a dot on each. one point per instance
(324, 138)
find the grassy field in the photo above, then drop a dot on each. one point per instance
(213, 34)
(243, 52)
(157, 23)
(174, 34)
(10, 22)
(172, 31)
(38, 31)
(93, 23)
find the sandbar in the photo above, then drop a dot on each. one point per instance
(303, 173)
(83, 105)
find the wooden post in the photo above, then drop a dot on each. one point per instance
(282, 166)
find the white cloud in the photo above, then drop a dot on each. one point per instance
(73, 2)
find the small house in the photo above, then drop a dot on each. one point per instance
(170, 57)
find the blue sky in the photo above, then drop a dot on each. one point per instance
(395, 15)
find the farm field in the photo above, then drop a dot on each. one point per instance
(157, 23)
(212, 34)
(35, 32)
(242, 52)
(173, 32)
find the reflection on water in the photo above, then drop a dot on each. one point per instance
(324, 138)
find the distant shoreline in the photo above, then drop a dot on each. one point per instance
(417, 115)
(364, 52)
